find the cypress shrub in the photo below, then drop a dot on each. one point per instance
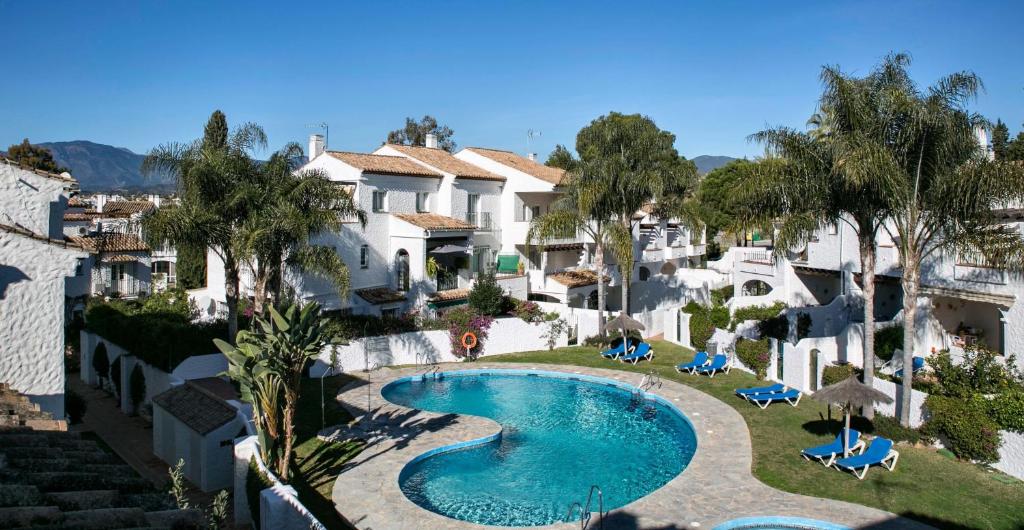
(100, 362)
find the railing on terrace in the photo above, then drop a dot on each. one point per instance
(759, 255)
(481, 220)
(447, 282)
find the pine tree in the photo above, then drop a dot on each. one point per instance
(215, 135)
(34, 156)
(1000, 139)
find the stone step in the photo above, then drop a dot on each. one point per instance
(96, 456)
(29, 516)
(83, 500)
(75, 480)
(103, 518)
(15, 453)
(191, 518)
(12, 495)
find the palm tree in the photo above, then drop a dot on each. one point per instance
(634, 166)
(811, 185)
(214, 177)
(294, 207)
(583, 209)
(942, 187)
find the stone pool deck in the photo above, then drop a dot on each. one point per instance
(716, 486)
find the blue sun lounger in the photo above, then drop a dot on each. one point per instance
(791, 396)
(917, 365)
(643, 351)
(700, 359)
(720, 363)
(880, 452)
(827, 454)
(777, 387)
(615, 351)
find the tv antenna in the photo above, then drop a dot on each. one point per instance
(327, 131)
(532, 135)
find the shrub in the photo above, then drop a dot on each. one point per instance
(965, 425)
(555, 329)
(462, 320)
(758, 312)
(721, 295)
(889, 427)
(776, 327)
(887, 341)
(75, 405)
(597, 341)
(1007, 410)
(255, 482)
(115, 375)
(754, 354)
(170, 302)
(719, 316)
(351, 327)
(527, 311)
(979, 372)
(701, 330)
(137, 380)
(486, 297)
(835, 373)
(100, 362)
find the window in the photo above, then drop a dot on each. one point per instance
(645, 274)
(380, 201)
(423, 202)
(482, 261)
(80, 267)
(364, 257)
(402, 270)
(534, 259)
(473, 208)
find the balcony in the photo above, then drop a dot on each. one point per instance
(482, 221)
(652, 255)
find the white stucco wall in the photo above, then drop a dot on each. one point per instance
(1011, 454)
(32, 201)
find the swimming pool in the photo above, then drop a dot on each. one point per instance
(560, 435)
(778, 523)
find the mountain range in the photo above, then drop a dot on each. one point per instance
(105, 168)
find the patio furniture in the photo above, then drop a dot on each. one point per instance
(615, 351)
(720, 363)
(916, 366)
(826, 454)
(880, 452)
(643, 351)
(700, 359)
(791, 396)
(745, 392)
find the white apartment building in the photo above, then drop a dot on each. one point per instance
(35, 261)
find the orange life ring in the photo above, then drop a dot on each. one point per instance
(469, 340)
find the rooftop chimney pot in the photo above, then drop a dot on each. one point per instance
(533, 156)
(431, 141)
(316, 145)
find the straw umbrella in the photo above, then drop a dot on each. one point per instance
(850, 393)
(625, 323)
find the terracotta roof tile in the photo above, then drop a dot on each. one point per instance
(380, 295)
(127, 208)
(577, 278)
(78, 202)
(81, 216)
(444, 161)
(66, 243)
(449, 295)
(111, 243)
(197, 408)
(41, 173)
(533, 168)
(383, 164)
(433, 221)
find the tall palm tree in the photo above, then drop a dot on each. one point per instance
(214, 179)
(294, 207)
(942, 187)
(811, 185)
(634, 166)
(583, 209)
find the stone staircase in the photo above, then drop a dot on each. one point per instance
(17, 411)
(54, 479)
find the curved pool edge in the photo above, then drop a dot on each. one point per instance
(716, 486)
(802, 523)
(526, 372)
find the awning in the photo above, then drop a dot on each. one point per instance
(815, 271)
(449, 249)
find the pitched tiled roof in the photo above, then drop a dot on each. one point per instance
(433, 221)
(197, 408)
(111, 243)
(443, 160)
(383, 164)
(449, 295)
(380, 295)
(533, 168)
(126, 208)
(66, 243)
(563, 246)
(578, 278)
(77, 202)
(56, 176)
(120, 258)
(81, 216)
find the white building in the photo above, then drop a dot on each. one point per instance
(35, 261)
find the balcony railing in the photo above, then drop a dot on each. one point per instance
(481, 220)
(447, 281)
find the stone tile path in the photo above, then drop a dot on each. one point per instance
(717, 486)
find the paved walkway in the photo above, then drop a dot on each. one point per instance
(715, 487)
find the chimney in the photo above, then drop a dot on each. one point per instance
(431, 141)
(316, 145)
(100, 200)
(982, 135)
(155, 199)
(533, 156)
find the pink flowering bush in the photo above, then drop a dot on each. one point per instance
(462, 320)
(527, 311)
(754, 354)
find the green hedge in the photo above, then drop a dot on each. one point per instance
(760, 312)
(835, 373)
(754, 354)
(721, 295)
(162, 340)
(965, 425)
(703, 321)
(1007, 409)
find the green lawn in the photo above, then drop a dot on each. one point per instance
(926, 486)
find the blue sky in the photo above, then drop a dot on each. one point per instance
(136, 74)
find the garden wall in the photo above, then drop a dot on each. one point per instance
(507, 335)
(1011, 454)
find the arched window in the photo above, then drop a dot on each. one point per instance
(402, 270)
(756, 288)
(645, 274)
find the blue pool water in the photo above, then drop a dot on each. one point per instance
(779, 523)
(559, 437)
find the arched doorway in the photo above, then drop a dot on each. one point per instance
(756, 288)
(645, 274)
(592, 300)
(402, 270)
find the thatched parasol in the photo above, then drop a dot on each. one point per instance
(625, 323)
(850, 393)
